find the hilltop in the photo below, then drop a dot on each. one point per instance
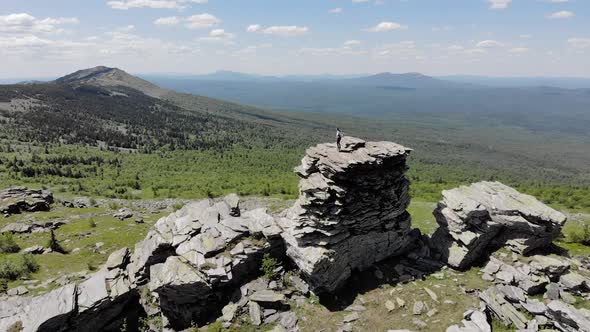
(110, 77)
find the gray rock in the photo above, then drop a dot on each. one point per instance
(534, 307)
(34, 250)
(512, 294)
(431, 293)
(552, 267)
(419, 308)
(50, 310)
(400, 303)
(123, 214)
(474, 218)
(233, 202)
(552, 292)
(351, 317)
(419, 323)
(567, 297)
(496, 302)
(229, 312)
(475, 321)
(21, 199)
(20, 290)
(574, 281)
(568, 317)
(351, 212)
(118, 259)
(356, 307)
(300, 285)
(267, 296)
(255, 313)
(389, 305)
(288, 320)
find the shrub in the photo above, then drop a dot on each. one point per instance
(215, 327)
(269, 264)
(13, 267)
(177, 206)
(7, 244)
(581, 236)
(91, 223)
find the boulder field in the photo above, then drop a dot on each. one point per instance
(204, 262)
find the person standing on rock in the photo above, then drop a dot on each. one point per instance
(338, 138)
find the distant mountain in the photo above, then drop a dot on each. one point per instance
(508, 82)
(104, 106)
(111, 77)
(406, 80)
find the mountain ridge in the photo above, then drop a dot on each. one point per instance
(108, 77)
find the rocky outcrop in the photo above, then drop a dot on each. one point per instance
(21, 199)
(509, 299)
(195, 256)
(351, 211)
(190, 263)
(487, 215)
(32, 226)
(101, 301)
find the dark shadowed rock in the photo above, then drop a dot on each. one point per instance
(22, 199)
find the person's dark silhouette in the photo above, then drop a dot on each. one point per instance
(338, 138)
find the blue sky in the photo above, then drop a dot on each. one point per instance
(436, 37)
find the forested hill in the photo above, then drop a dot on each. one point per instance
(110, 108)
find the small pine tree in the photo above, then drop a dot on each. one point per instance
(54, 245)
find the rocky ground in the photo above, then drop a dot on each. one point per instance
(250, 264)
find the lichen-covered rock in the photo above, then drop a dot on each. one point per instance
(351, 211)
(487, 215)
(20, 199)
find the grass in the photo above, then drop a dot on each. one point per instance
(80, 233)
(378, 318)
(422, 217)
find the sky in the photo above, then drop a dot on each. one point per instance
(42, 38)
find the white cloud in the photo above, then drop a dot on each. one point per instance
(202, 21)
(335, 10)
(489, 44)
(218, 36)
(519, 50)
(156, 4)
(172, 20)
(254, 28)
(579, 43)
(499, 4)
(25, 23)
(351, 43)
(279, 30)
(387, 26)
(564, 14)
(526, 36)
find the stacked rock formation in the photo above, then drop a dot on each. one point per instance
(351, 211)
(21, 199)
(487, 215)
(189, 265)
